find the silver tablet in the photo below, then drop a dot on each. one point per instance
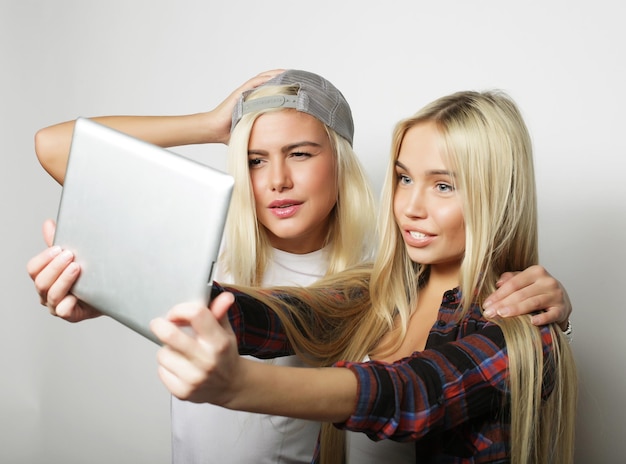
(144, 223)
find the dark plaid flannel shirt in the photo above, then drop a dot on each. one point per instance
(451, 398)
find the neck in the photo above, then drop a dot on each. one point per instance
(443, 277)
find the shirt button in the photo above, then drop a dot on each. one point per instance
(441, 322)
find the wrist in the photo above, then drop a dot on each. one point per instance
(247, 374)
(212, 127)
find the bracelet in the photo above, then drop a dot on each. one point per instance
(568, 331)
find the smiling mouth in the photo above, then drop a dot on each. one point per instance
(417, 235)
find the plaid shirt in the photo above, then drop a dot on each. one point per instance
(451, 398)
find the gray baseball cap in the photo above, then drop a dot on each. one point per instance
(316, 96)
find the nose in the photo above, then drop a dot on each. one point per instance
(415, 205)
(280, 178)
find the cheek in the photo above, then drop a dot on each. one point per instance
(399, 205)
(326, 194)
(256, 181)
(453, 220)
(320, 183)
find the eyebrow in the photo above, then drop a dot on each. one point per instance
(288, 148)
(433, 172)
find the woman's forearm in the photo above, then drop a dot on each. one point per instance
(52, 144)
(320, 394)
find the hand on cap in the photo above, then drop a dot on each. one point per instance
(221, 115)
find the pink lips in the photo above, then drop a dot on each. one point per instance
(283, 209)
(417, 242)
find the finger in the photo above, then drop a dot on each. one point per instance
(207, 327)
(512, 282)
(183, 312)
(515, 302)
(262, 78)
(523, 301)
(541, 291)
(498, 303)
(189, 371)
(167, 371)
(49, 229)
(256, 81)
(67, 308)
(37, 263)
(202, 321)
(221, 304)
(272, 72)
(47, 277)
(172, 383)
(527, 301)
(551, 315)
(62, 285)
(518, 308)
(179, 341)
(214, 325)
(504, 278)
(71, 309)
(225, 108)
(171, 335)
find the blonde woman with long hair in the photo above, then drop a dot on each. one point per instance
(301, 208)
(346, 228)
(459, 208)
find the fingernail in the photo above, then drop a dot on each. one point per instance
(504, 312)
(488, 313)
(54, 251)
(66, 255)
(486, 303)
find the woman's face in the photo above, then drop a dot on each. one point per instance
(292, 169)
(427, 208)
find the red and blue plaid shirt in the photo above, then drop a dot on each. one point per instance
(451, 398)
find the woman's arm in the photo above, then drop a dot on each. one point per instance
(437, 389)
(52, 144)
(433, 390)
(207, 367)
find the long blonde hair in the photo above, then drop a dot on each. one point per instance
(486, 143)
(350, 235)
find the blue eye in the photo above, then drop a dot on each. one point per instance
(404, 179)
(445, 188)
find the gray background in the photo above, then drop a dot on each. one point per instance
(90, 392)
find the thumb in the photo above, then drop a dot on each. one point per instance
(49, 229)
(221, 304)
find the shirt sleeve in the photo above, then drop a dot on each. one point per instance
(436, 389)
(259, 331)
